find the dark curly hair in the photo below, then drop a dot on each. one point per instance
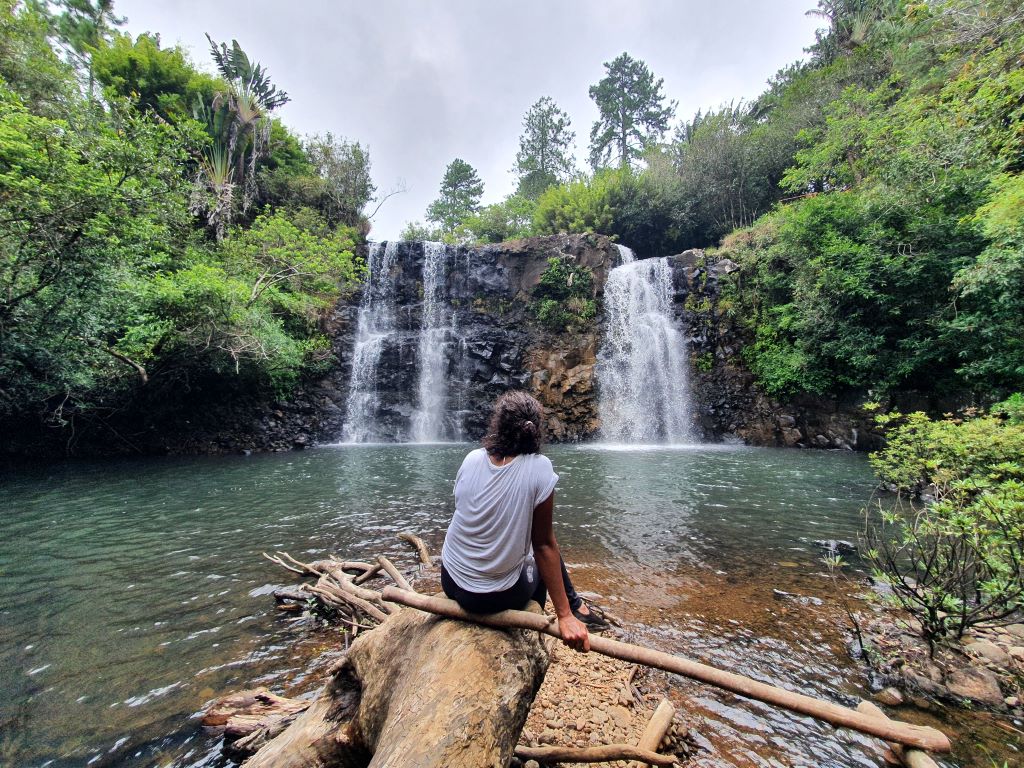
(517, 424)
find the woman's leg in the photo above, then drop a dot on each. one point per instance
(575, 601)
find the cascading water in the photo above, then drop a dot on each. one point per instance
(375, 325)
(643, 383)
(436, 333)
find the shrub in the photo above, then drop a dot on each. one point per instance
(954, 558)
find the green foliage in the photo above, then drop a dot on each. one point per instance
(416, 231)
(84, 201)
(508, 220)
(252, 307)
(327, 173)
(153, 78)
(545, 149)
(28, 65)
(958, 560)
(632, 112)
(564, 297)
(461, 190)
(239, 124)
(112, 303)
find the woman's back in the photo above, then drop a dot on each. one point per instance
(489, 536)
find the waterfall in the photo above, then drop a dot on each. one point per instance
(643, 383)
(375, 325)
(436, 331)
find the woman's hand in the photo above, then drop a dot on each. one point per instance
(574, 633)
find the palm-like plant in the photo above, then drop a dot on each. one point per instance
(239, 125)
(252, 98)
(214, 190)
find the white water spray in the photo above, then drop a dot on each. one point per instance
(642, 367)
(436, 332)
(374, 327)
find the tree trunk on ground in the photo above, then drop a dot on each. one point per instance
(419, 691)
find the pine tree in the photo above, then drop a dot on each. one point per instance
(545, 149)
(633, 113)
(461, 190)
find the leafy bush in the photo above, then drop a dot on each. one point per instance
(957, 559)
(565, 295)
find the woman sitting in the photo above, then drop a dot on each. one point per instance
(500, 550)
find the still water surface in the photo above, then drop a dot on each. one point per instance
(133, 592)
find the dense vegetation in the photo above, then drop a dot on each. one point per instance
(162, 238)
(954, 558)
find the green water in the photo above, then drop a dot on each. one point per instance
(134, 591)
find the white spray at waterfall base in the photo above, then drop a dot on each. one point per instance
(642, 368)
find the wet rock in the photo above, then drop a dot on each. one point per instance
(791, 437)
(778, 594)
(786, 421)
(837, 546)
(977, 684)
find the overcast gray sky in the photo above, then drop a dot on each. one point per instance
(424, 81)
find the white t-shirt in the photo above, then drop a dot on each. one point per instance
(489, 536)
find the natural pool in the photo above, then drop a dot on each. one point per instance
(133, 591)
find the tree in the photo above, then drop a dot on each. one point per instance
(545, 155)
(83, 27)
(461, 190)
(344, 167)
(632, 110)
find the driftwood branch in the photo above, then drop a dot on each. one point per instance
(605, 753)
(394, 573)
(656, 729)
(417, 542)
(921, 737)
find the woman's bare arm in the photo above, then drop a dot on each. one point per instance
(545, 550)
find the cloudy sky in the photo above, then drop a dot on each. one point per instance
(424, 81)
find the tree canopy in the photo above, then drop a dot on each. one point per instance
(459, 198)
(633, 112)
(545, 149)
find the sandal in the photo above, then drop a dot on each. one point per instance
(591, 620)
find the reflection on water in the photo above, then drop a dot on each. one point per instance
(133, 591)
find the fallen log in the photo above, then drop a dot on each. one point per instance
(418, 692)
(912, 758)
(656, 729)
(918, 736)
(604, 753)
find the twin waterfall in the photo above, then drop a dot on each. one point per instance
(642, 378)
(380, 329)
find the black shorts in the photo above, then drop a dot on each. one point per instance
(529, 586)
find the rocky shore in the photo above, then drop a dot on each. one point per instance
(984, 669)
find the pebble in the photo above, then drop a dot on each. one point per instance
(1011, 701)
(531, 764)
(599, 718)
(621, 716)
